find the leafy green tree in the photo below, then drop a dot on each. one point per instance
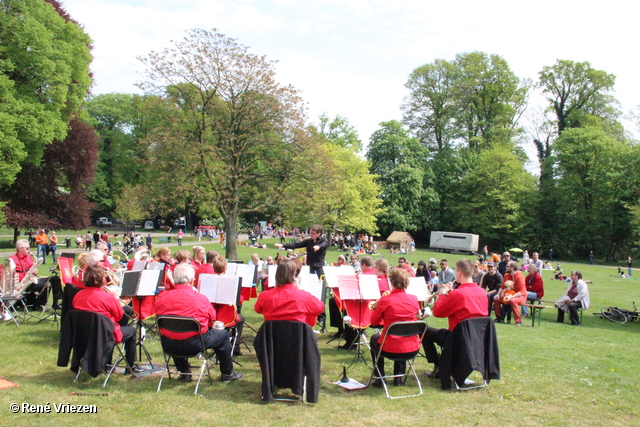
(235, 130)
(492, 198)
(339, 131)
(44, 76)
(405, 178)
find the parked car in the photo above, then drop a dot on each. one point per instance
(103, 221)
(149, 225)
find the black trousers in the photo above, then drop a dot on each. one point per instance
(433, 336)
(573, 313)
(129, 341)
(216, 339)
(399, 366)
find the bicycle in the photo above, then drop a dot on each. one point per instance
(620, 315)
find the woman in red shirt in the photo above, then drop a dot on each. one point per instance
(397, 306)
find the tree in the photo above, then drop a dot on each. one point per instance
(575, 90)
(401, 165)
(129, 204)
(338, 131)
(491, 199)
(235, 129)
(44, 76)
(343, 195)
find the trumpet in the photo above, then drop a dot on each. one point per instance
(444, 288)
(374, 304)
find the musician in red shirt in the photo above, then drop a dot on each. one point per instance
(286, 301)
(93, 298)
(467, 301)
(183, 300)
(397, 306)
(21, 261)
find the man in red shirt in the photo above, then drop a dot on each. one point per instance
(467, 301)
(404, 265)
(534, 285)
(183, 300)
(286, 301)
(515, 300)
(93, 298)
(21, 261)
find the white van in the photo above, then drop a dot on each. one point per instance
(149, 225)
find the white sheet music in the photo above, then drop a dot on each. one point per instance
(248, 274)
(331, 274)
(155, 266)
(369, 289)
(148, 282)
(208, 286)
(313, 285)
(227, 290)
(349, 288)
(139, 265)
(305, 273)
(418, 287)
(272, 275)
(231, 269)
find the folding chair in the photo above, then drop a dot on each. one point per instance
(8, 302)
(183, 324)
(399, 329)
(90, 336)
(228, 314)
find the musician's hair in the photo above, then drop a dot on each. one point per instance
(184, 274)
(22, 243)
(102, 243)
(82, 260)
(399, 278)
(94, 276)
(162, 251)
(382, 265)
(286, 272)
(197, 249)
(219, 265)
(211, 255)
(182, 255)
(317, 228)
(366, 261)
(298, 264)
(95, 256)
(465, 267)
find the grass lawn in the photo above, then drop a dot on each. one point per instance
(556, 374)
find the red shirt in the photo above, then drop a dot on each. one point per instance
(205, 269)
(383, 284)
(533, 283)
(287, 302)
(398, 306)
(406, 267)
(465, 302)
(105, 237)
(99, 301)
(22, 264)
(184, 300)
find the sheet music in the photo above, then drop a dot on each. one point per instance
(208, 285)
(313, 286)
(248, 274)
(149, 281)
(305, 273)
(331, 274)
(369, 289)
(231, 269)
(139, 265)
(130, 280)
(227, 290)
(349, 288)
(272, 275)
(154, 265)
(418, 287)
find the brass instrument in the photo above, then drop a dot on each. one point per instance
(30, 277)
(374, 304)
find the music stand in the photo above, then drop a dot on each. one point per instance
(138, 284)
(55, 306)
(71, 255)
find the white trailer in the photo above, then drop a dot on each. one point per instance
(445, 241)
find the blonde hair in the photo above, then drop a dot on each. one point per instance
(82, 261)
(163, 251)
(508, 284)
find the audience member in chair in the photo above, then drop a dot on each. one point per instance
(577, 296)
(467, 301)
(183, 300)
(397, 306)
(286, 301)
(93, 298)
(535, 286)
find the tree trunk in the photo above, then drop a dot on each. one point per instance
(230, 229)
(16, 234)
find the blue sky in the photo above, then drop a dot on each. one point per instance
(353, 57)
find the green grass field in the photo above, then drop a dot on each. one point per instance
(556, 374)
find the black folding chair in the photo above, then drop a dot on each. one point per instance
(399, 329)
(183, 324)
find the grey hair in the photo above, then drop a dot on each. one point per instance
(95, 256)
(184, 274)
